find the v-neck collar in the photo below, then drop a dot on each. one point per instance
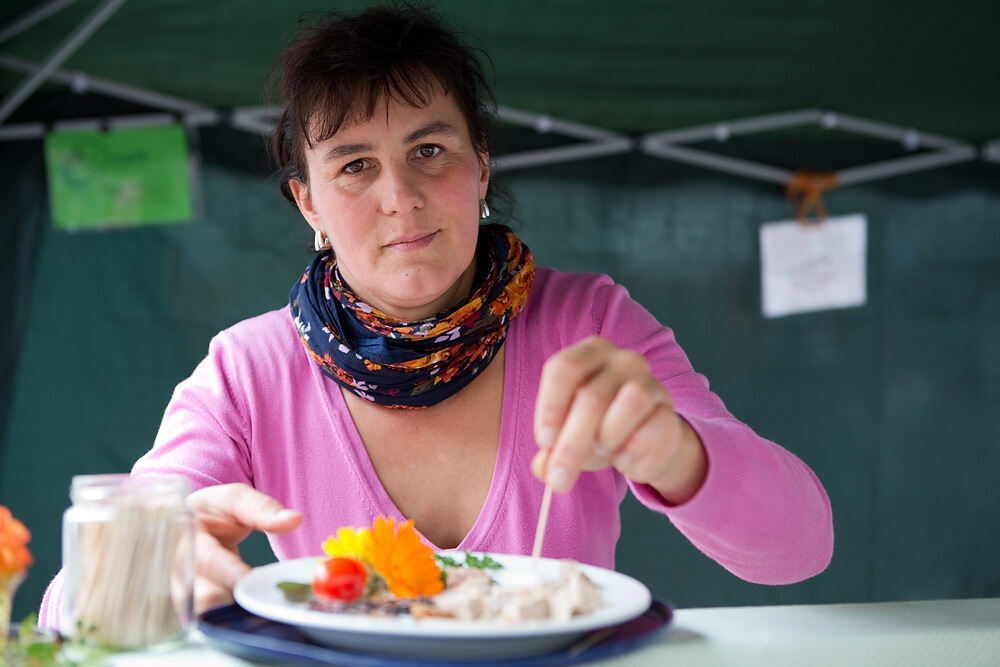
(379, 499)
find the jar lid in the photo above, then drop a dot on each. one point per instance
(99, 487)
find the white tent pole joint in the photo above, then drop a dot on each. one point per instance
(991, 151)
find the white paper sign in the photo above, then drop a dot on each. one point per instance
(817, 266)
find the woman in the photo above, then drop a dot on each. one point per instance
(423, 355)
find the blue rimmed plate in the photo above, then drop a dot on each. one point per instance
(438, 639)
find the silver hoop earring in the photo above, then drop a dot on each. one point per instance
(320, 242)
(484, 209)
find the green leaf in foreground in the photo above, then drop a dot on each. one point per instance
(40, 648)
(296, 592)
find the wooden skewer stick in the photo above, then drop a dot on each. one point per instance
(593, 639)
(543, 518)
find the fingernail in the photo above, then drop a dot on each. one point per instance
(546, 437)
(623, 461)
(556, 478)
(286, 514)
(601, 452)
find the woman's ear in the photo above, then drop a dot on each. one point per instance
(300, 191)
(484, 174)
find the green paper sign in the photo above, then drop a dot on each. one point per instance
(118, 178)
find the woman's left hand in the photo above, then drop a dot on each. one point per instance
(599, 405)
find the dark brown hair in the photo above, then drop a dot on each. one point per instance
(338, 70)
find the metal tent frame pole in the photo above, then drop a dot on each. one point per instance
(34, 16)
(940, 150)
(722, 131)
(74, 41)
(729, 165)
(598, 141)
(82, 82)
(906, 165)
(27, 131)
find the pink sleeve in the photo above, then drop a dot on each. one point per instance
(205, 431)
(48, 613)
(761, 512)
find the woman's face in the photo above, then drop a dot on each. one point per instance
(398, 197)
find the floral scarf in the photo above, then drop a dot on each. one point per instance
(412, 364)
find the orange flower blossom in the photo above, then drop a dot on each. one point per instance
(14, 555)
(406, 563)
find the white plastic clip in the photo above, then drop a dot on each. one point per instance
(79, 83)
(543, 124)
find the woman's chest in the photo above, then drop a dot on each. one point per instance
(436, 464)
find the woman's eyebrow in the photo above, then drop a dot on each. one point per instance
(345, 150)
(436, 127)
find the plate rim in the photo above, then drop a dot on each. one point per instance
(431, 628)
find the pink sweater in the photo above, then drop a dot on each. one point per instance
(258, 410)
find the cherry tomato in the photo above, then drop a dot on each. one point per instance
(340, 579)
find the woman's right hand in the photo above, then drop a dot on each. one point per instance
(224, 516)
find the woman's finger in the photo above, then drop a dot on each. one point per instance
(562, 374)
(539, 463)
(215, 562)
(633, 404)
(576, 442)
(231, 511)
(651, 451)
(208, 594)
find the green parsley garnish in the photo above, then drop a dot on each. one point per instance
(447, 561)
(483, 562)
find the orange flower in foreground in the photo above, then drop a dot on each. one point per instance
(14, 555)
(407, 564)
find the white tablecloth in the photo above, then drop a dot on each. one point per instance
(964, 633)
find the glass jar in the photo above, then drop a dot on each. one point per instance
(128, 556)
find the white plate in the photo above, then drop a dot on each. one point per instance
(258, 592)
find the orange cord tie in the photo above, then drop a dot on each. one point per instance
(808, 187)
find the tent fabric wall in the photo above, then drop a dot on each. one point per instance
(893, 404)
(25, 213)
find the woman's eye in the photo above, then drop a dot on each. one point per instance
(355, 167)
(428, 150)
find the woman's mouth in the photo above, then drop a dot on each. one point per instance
(412, 243)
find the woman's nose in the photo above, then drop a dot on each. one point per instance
(400, 190)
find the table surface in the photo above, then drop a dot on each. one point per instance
(934, 632)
